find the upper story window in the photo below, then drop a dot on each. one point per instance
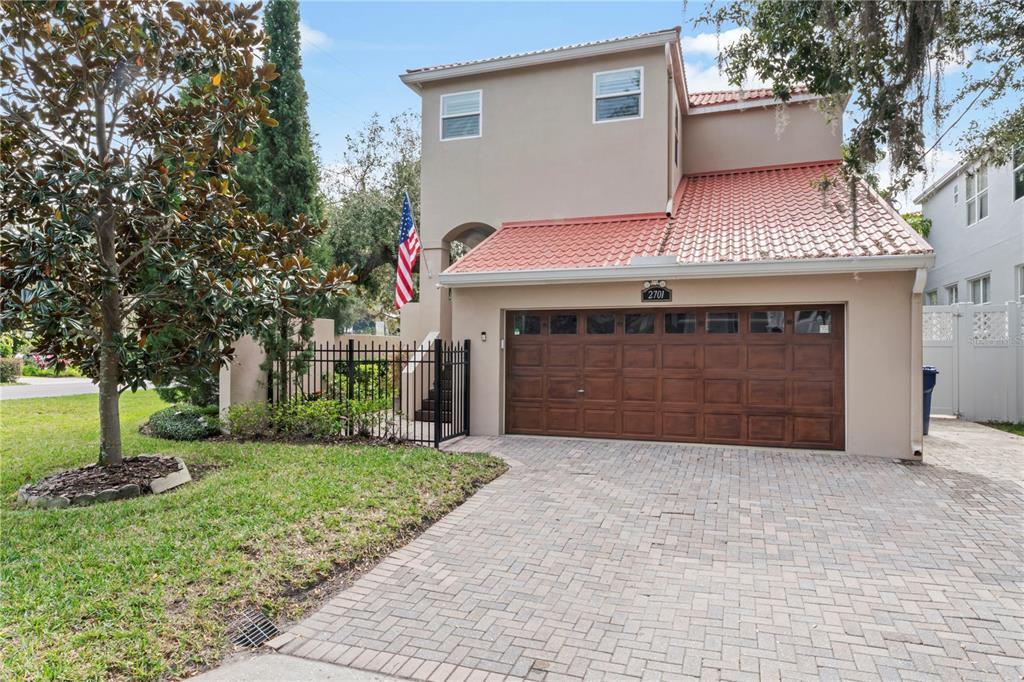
(952, 294)
(956, 192)
(931, 297)
(1018, 173)
(460, 115)
(619, 95)
(977, 195)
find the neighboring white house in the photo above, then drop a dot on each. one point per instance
(977, 232)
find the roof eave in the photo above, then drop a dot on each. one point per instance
(624, 273)
(750, 104)
(416, 79)
(940, 183)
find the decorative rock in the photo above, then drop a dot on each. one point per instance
(128, 490)
(58, 502)
(23, 494)
(83, 500)
(172, 480)
(106, 495)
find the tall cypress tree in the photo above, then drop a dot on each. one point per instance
(281, 180)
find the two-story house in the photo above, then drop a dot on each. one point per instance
(651, 263)
(977, 231)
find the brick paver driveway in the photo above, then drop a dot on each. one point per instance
(594, 559)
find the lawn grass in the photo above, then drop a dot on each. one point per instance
(1011, 427)
(144, 588)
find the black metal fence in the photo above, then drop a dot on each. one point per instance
(388, 390)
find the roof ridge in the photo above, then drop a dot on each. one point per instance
(586, 43)
(608, 218)
(759, 169)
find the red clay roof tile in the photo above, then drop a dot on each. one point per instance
(756, 214)
(711, 98)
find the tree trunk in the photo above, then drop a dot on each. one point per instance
(110, 307)
(110, 375)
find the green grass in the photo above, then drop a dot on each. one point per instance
(1011, 427)
(144, 588)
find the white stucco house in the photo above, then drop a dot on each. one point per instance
(977, 215)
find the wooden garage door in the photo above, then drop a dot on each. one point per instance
(758, 376)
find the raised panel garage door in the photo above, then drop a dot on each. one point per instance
(755, 376)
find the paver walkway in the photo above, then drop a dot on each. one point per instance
(603, 559)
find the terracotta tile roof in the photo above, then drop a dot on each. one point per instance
(777, 213)
(536, 52)
(572, 243)
(707, 99)
(757, 214)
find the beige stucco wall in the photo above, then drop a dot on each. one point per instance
(243, 380)
(540, 154)
(883, 341)
(753, 137)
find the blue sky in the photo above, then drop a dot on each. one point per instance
(353, 52)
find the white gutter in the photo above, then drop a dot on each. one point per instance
(676, 270)
(415, 79)
(941, 182)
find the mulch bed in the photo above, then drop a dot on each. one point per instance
(94, 478)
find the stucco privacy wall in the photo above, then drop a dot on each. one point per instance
(244, 381)
(754, 137)
(883, 343)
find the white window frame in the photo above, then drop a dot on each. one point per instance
(1018, 168)
(952, 287)
(975, 199)
(441, 116)
(931, 297)
(986, 291)
(956, 193)
(1019, 272)
(594, 96)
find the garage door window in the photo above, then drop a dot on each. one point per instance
(680, 323)
(813, 322)
(524, 323)
(601, 323)
(563, 324)
(723, 323)
(767, 322)
(639, 323)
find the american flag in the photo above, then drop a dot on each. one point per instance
(408, 250)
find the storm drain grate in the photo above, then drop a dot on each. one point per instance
(253, 628)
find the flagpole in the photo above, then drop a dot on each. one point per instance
(430, 275)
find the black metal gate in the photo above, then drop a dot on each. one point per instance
(392, 390)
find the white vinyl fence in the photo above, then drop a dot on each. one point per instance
(979, 350)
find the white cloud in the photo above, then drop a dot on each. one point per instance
(709, 44)
(697, 50)
(710, 78)
(311, 37)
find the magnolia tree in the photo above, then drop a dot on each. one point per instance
(126, 246)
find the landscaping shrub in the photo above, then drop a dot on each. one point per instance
(184, 422)
(311, 418)
(250, 420)
(10, 369)
(372, 418)
(37, 365)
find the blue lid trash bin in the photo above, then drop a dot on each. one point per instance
(930, 376)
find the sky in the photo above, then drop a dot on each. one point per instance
(354, 52)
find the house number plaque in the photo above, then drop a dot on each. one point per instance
(655, 292)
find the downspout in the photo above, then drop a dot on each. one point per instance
(916, 362)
